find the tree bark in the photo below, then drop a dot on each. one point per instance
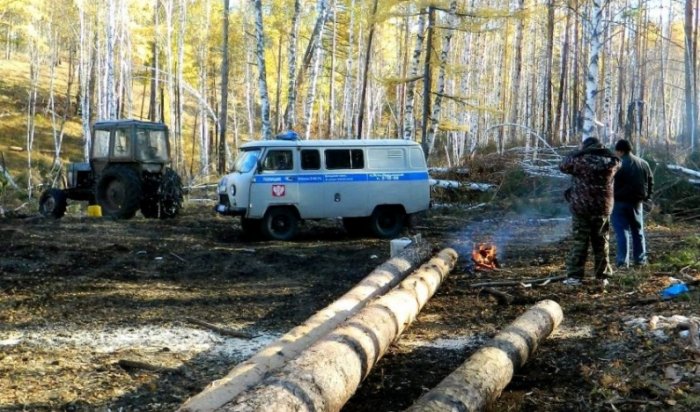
(427, 81)
(691, 119)
(289, 115)
(480, 380)
(594, 25)
(547, 81)
(365, 74)
(409, 120)
(262, 72)
(437, 105)
(315, 69)
(326, 375)
(223, 111)
(289, 346)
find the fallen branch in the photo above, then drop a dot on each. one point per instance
(684, 170)
(129, 365)
(503, 298)
(519, 282)
(181, 259)
(453, 184)
(218, 329)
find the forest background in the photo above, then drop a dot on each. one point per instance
(460, 76)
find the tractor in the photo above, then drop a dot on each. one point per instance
(128, 171)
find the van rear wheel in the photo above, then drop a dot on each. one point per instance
(280, 223)
(387, 222)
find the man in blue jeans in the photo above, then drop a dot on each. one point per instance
(634, 183)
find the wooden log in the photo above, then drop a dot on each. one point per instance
(275, 355)
(482, 377)
(326, 375)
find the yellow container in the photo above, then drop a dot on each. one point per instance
(94, 211)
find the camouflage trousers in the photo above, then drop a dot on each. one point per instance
(593, 230)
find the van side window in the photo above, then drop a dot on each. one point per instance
(278, 160)
(417, 159)
(344, 159)
(385, 158)
(310, 160)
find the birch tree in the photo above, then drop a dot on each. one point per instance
(262, 72)
(290, 113)
(437, 104)
(223, 113)
(409, 120)
(316, 62)
(594, 28)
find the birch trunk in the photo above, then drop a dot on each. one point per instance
(482, 378)
(85, 64)
(290, 112)
(437, 104)
(223, 113)
(180, 96)
(348, 119)
(365, 73)
(594, 28)
(109, 96)
(31, 108)
(262, 72)
(317, 61)
(691, 118)
(409, 120)
(517, 73)
(289, 346)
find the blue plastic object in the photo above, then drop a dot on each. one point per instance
(288, 135)
(674, 290)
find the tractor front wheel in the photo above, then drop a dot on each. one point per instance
(119, 192)
(53, 203)
(170, 194)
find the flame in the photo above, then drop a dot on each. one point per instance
(484, 256)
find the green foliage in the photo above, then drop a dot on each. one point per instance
(686, 254)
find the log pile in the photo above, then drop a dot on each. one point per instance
(289, 346)
(327, 374)
(482, 377)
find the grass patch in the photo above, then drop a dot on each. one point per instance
(686, 255)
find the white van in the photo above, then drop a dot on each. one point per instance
(371, 184)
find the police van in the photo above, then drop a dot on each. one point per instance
(374, 185)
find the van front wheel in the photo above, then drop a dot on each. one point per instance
(387, 222)
(280, 224)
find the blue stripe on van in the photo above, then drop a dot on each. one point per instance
(342, 177)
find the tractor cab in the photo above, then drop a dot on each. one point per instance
(143, 144)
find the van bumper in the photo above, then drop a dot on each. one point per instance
(225, 208)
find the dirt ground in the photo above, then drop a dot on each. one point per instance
(82, 300)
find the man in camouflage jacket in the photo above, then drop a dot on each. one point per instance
(590, 200)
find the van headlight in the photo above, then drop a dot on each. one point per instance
(233, 190)
(222, 186)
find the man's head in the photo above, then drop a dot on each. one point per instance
(623, 147)
(590, 143)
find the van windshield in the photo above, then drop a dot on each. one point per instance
(246, 161)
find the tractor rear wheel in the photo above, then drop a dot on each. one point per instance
(119, 192)
(53, 203)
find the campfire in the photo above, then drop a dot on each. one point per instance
(484, 257)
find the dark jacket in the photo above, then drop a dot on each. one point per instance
(593, 169)
(634, 181)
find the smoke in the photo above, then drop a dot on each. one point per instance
(526, 230)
